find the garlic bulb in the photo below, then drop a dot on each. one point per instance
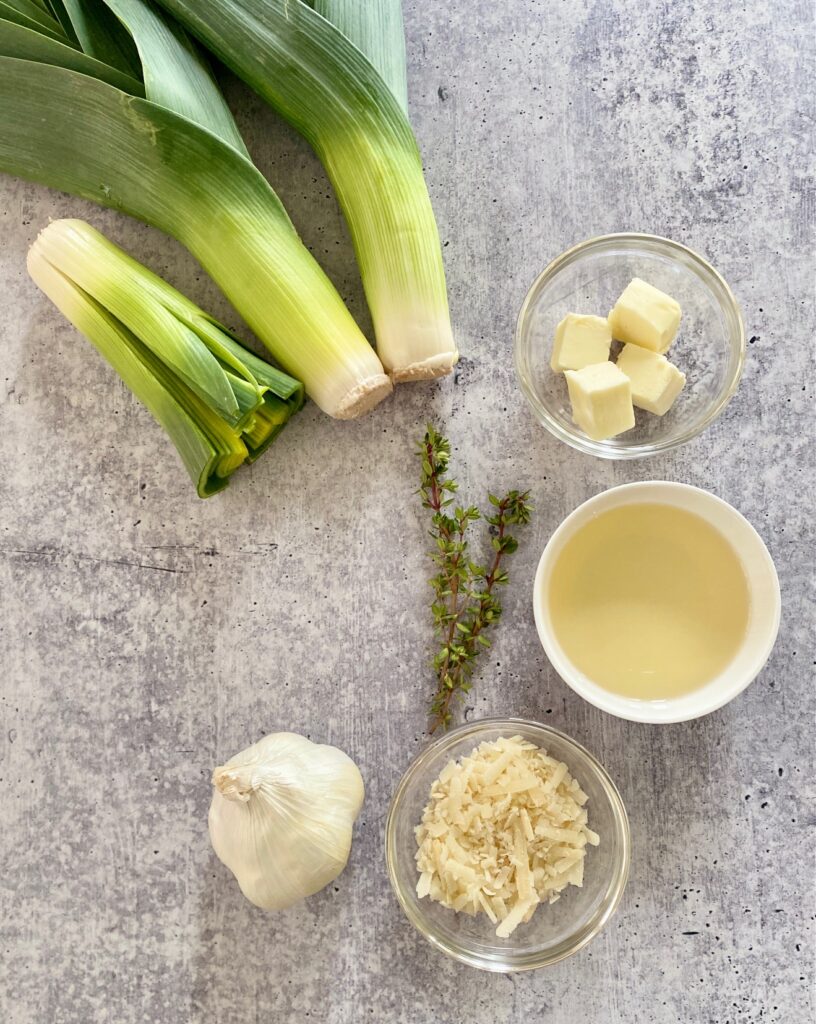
(281, 817)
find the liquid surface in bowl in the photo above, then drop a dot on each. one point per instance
(649, 601)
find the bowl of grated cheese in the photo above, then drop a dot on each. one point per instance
(507, 845)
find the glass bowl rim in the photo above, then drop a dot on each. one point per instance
(722, 293)
(510, 961)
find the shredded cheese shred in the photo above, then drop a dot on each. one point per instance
(504, 830)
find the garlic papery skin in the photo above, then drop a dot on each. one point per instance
(281, 817)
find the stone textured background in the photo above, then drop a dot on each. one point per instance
(146, 636)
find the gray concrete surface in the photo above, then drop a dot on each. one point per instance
(145, 636)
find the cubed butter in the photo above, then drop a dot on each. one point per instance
(645, 316)
(655, 381)
(601, 397)
(580, 341)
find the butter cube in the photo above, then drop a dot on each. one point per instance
(601, 397)
(655, 381)
(645, 316)
(580, 341)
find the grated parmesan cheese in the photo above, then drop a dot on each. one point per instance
(504, 830)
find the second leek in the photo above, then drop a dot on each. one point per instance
(309, 71)
(220, 404)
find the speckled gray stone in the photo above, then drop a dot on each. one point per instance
(145, 635)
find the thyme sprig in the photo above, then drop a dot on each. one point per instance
(465, 604)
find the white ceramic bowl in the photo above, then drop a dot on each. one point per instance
(763, 587)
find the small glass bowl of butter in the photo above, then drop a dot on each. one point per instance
(588, 280)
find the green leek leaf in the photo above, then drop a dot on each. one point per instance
(376, 28)
(32, 18)
(175, 72)
(57, 10)
(99, 33)
(17, 41)
(36, 13)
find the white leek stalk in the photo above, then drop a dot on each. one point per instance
(323, 84)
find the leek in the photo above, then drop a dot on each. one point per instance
(322, 83)
(220, 404)
(71, 131)
(375, 27)
(98, 32)
(28, 44)
(85, 137)
(28, 15)
(175, 74)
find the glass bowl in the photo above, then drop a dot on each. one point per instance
(709, 348)
(556, 930)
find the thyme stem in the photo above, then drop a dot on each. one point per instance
(465, 604)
